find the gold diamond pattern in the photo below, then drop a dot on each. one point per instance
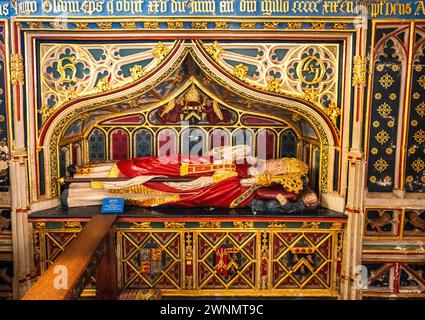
(419, 136)
(384, 110)
(421, 81)
(386, 81)
(412, 150)
(388, 180)
(382, 137)
(418, 165)
(395, 67)
(420, 109)
(381, 165)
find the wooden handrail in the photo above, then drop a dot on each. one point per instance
(92, 251)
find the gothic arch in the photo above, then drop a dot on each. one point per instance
(49, 138)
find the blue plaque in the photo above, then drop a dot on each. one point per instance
(113, 205)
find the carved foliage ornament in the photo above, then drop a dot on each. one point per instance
(17, 69)
(359, 71)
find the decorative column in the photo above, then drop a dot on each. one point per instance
(23, 263)
(356, 175)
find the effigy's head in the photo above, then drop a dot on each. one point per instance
(286, 166)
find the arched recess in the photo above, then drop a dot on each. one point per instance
(275, 102)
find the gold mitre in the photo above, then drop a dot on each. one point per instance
(192, 95)
(286, 166)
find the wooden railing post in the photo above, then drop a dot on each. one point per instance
(106, 272)
(92, 251)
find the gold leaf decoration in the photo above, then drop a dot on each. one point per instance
(421, 81)
(274, 85)
(381, 165)
(221, 25)
(215, 50)
(243, 224)
(418, 165)
(81, 25)
(380, 67)
(240, 71)
(151, 25)
(199, 25)
(333, 112)
(386, 81)
(340, 26)
(318, 25)
(105, 25)
(137, 72)
(420, 109)
(174, 225)
(160, 51)
(45, 112)
(419, 136)
(270, 25)
(17, 69)
(395, 67)
(384, 110)
(103, 85)
(359, 71)
(128, 25)
(382, 137)
(248, 25)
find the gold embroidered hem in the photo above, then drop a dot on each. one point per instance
(189, 168)
(244, 196)
(152, 201)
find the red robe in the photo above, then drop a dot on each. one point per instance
(225, 193)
